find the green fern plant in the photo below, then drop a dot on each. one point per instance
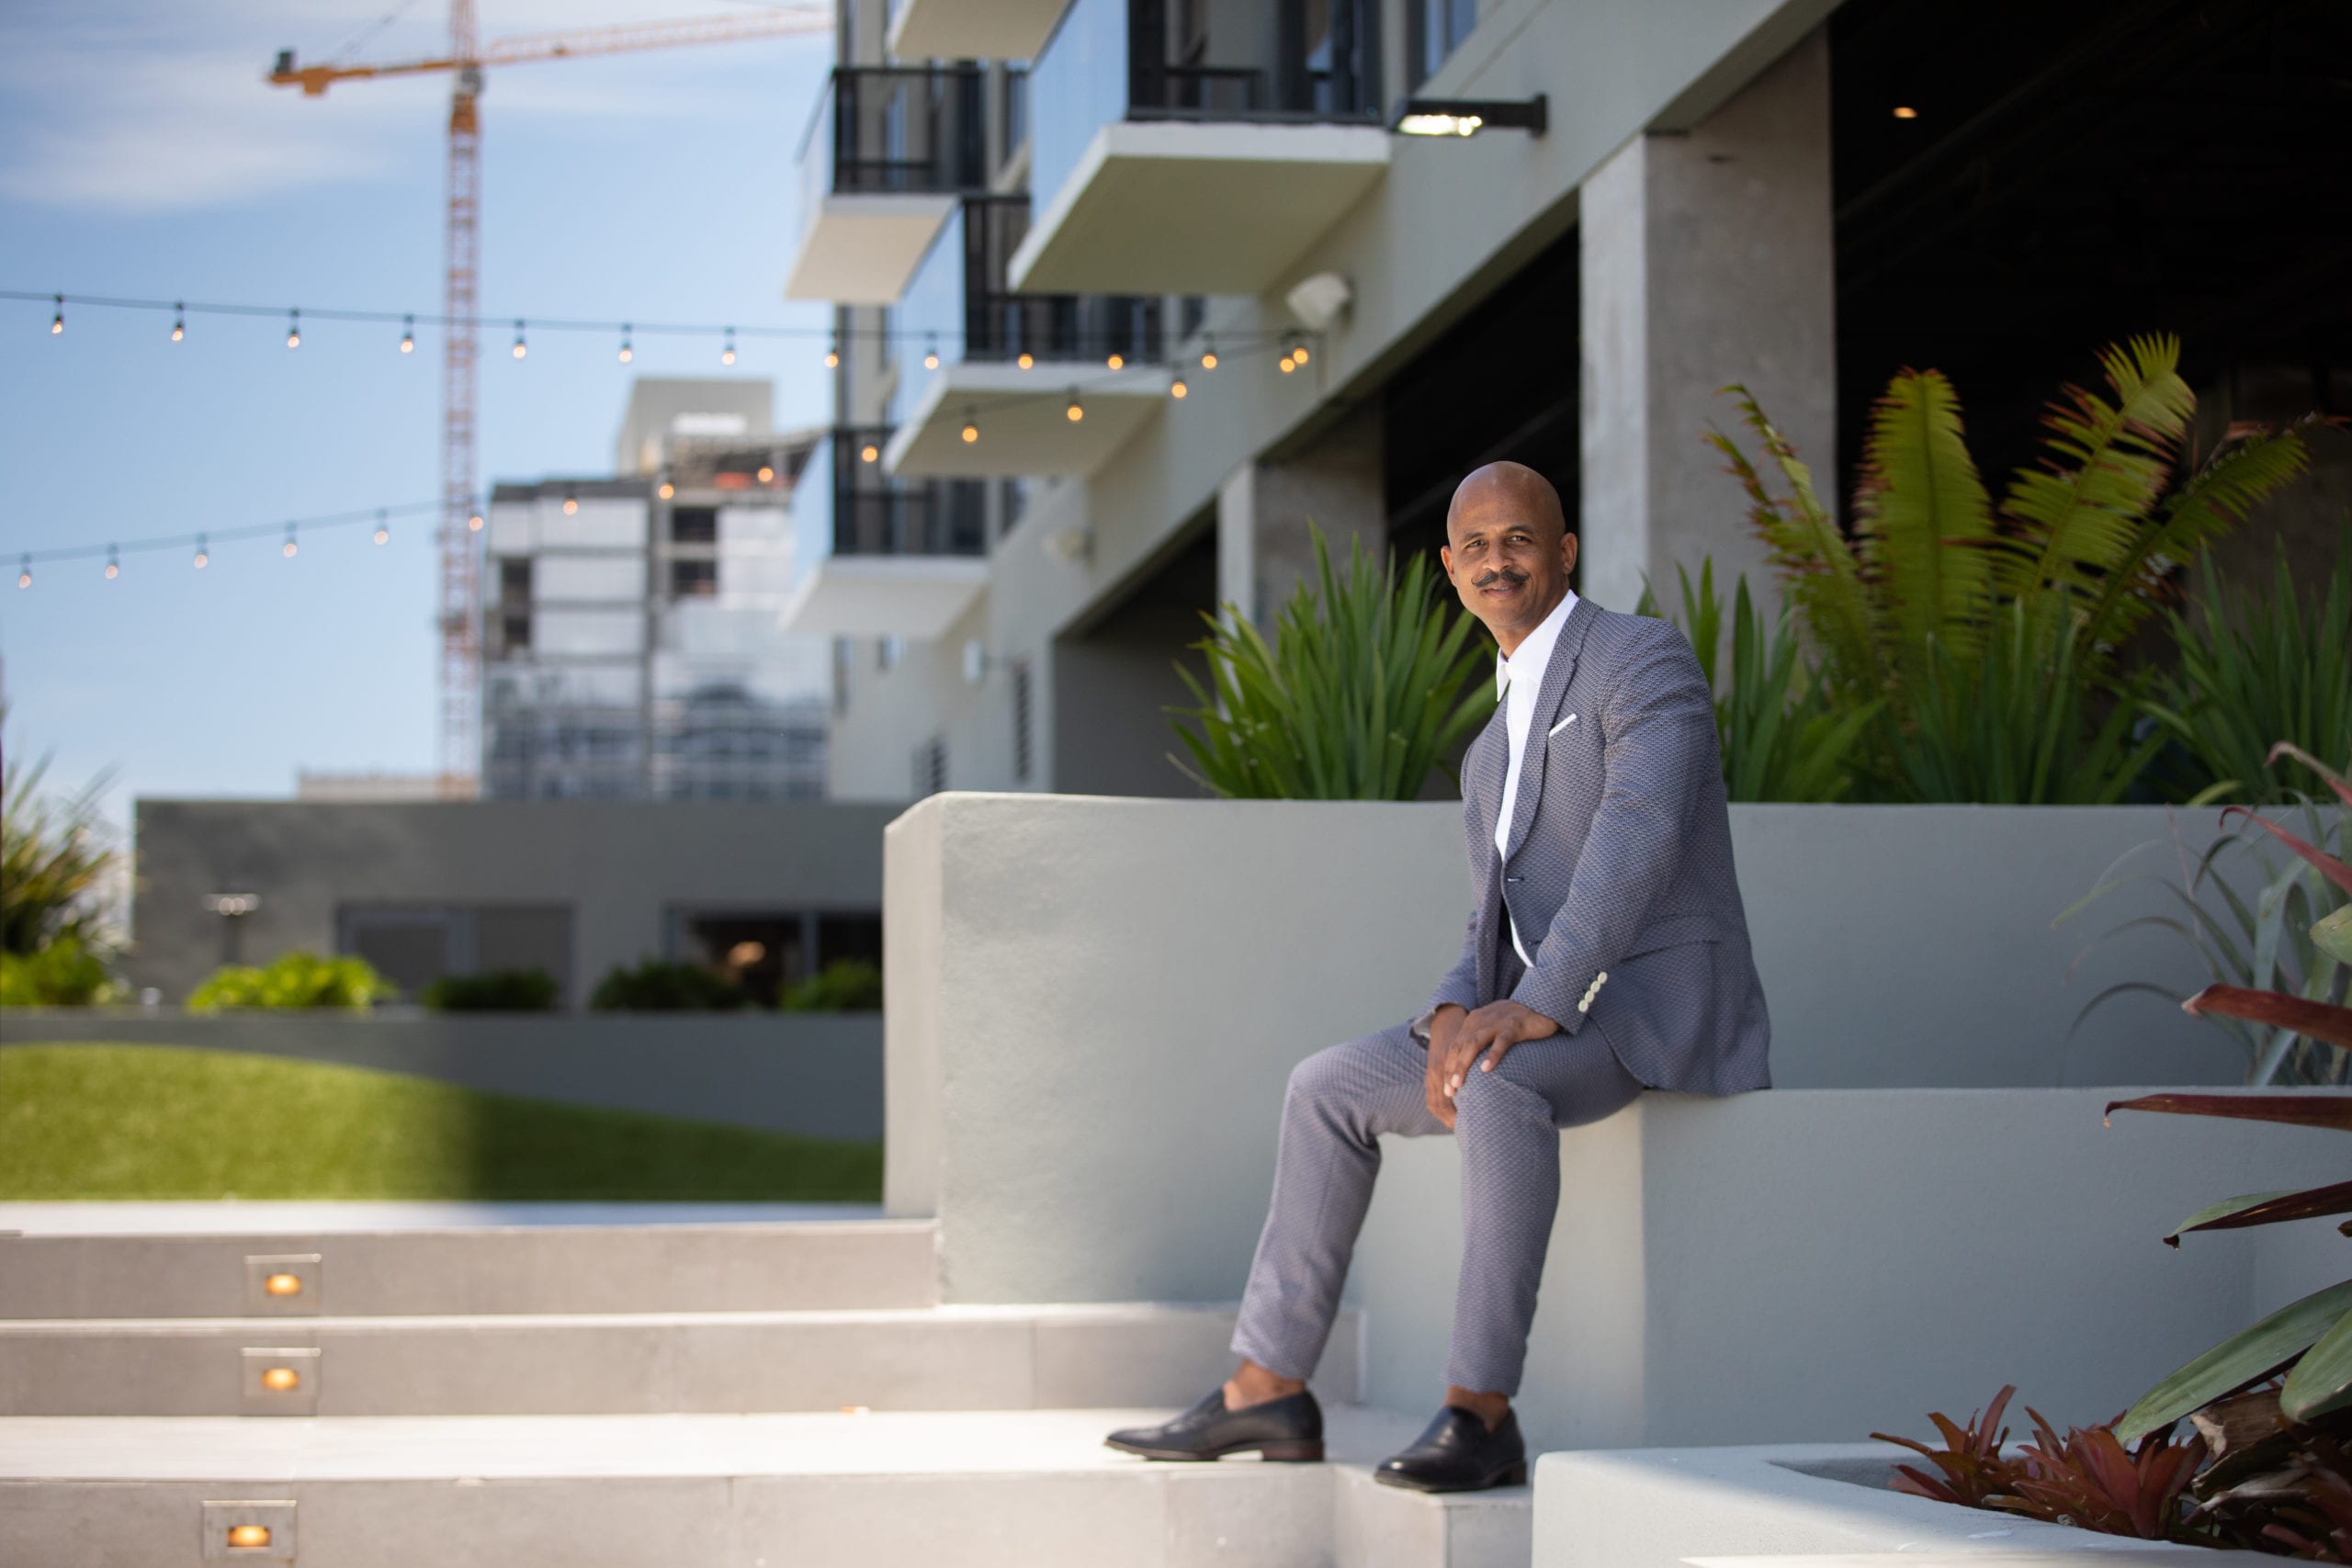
(1991, 632)
(1370, 683)
(1774, 727)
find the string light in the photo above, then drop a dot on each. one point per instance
(180, 322)
(521, 349)
(1209, 354)
(571, 503)
(56, 326)
(114, 567)
(288, 551)
(408, 334)
(971, 430)
(293, 329)
(474, 523)
(1298, 352)
(726, 355)
(25, 573)
(627, 352)
(668, 489)
(767, 474)
(203, 559)
(1074, 413)
(383, 534)
(1288, 364)
(1177, 389)
(834, 354)
(1117, 360)
(870, 453)
(931, 354)
(1026, 360)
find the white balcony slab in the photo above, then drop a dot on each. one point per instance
(972, 29)
(1182, 206)
(1023, 420)
(910, 596)
(861, 249)
(319, 1216)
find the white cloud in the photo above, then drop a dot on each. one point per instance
(132, 107)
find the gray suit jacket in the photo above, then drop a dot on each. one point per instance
(1619, 863)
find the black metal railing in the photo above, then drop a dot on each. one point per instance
(1000, 324)
(891, 130)
(877, 515)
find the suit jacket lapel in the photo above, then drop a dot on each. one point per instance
(1548, 699)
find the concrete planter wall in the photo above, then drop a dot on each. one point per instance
(815, 1074)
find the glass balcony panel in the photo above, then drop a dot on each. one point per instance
(1138, 106)
(875, 556)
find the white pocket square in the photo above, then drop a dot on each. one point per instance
(1562, 725)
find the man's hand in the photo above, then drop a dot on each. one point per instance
(1442, 1028)
(1486, 1034)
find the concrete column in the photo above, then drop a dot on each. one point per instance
(1263, 549)
(1708, 258)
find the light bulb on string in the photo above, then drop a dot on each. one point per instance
(408, 334)
(383, 534)
(1026, 359)
(1287, 364)
(834, 354)
(56, 326)
(288, 551)
(1298, 352)
(1208, 355)
(114, 566)
(870, 453)
(474, 523)
(1074, 413)
(203, 559)
(627, 352)
(1177, 389)
(726, 355)
(293, 329)
(931, 354)
(767, 474)
(1117, 361)
(179, 321)
(521, 349)
(668, 489)
(571, 503)
(971, 429)
(25, 573)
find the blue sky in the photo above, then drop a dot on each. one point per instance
(141, 154)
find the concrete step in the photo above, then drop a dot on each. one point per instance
(963, 1357)
(471, 1269)
(1026, 1489)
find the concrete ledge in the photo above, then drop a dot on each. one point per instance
(819, 1075)
(1662, 1507)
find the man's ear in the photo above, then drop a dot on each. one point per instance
(1445, 560)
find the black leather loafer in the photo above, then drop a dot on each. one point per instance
(1286, 1428)
(1457, 1453)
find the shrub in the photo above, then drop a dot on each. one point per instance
(1778, 735)
(55, 855)
(1367, 686)
(63, 973)
(658, 985)
(499, 990)
(846, 984)
(1991, 630)
(294, 980)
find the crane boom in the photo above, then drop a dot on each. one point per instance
(460, 618)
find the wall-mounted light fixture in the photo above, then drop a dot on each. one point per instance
(1467, 117)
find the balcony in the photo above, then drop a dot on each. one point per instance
(877, 557)
(885, 157)
(971, 29)
(1197, 165)
(959, 312)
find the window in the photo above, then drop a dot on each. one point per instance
(841, 657)
(931, 767)
(1012, 504)
(514, 632)
(1023, 733)
(887, 652)
(515, 581)
(1433, 30)
(694, 526)
(694, 579)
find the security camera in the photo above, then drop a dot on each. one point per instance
(1320, 300)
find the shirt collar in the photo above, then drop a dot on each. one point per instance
(1536, 651)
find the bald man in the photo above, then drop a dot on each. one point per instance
(1607, 952)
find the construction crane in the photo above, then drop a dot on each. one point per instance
(460, 598)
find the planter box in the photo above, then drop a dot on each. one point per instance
(1661, 1507)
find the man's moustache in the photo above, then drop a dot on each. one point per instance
(1513, 578)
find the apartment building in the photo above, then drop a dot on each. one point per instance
(1078, 247)
(632, 646)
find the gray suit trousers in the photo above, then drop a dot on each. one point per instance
(1507, 1122)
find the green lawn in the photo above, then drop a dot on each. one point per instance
(151, 1122)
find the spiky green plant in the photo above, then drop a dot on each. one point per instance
(2254, 667)
(1977, 624)
(55, 855)
(1779, 738)
(1370, 683)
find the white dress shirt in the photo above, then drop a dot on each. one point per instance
(1518, 695)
